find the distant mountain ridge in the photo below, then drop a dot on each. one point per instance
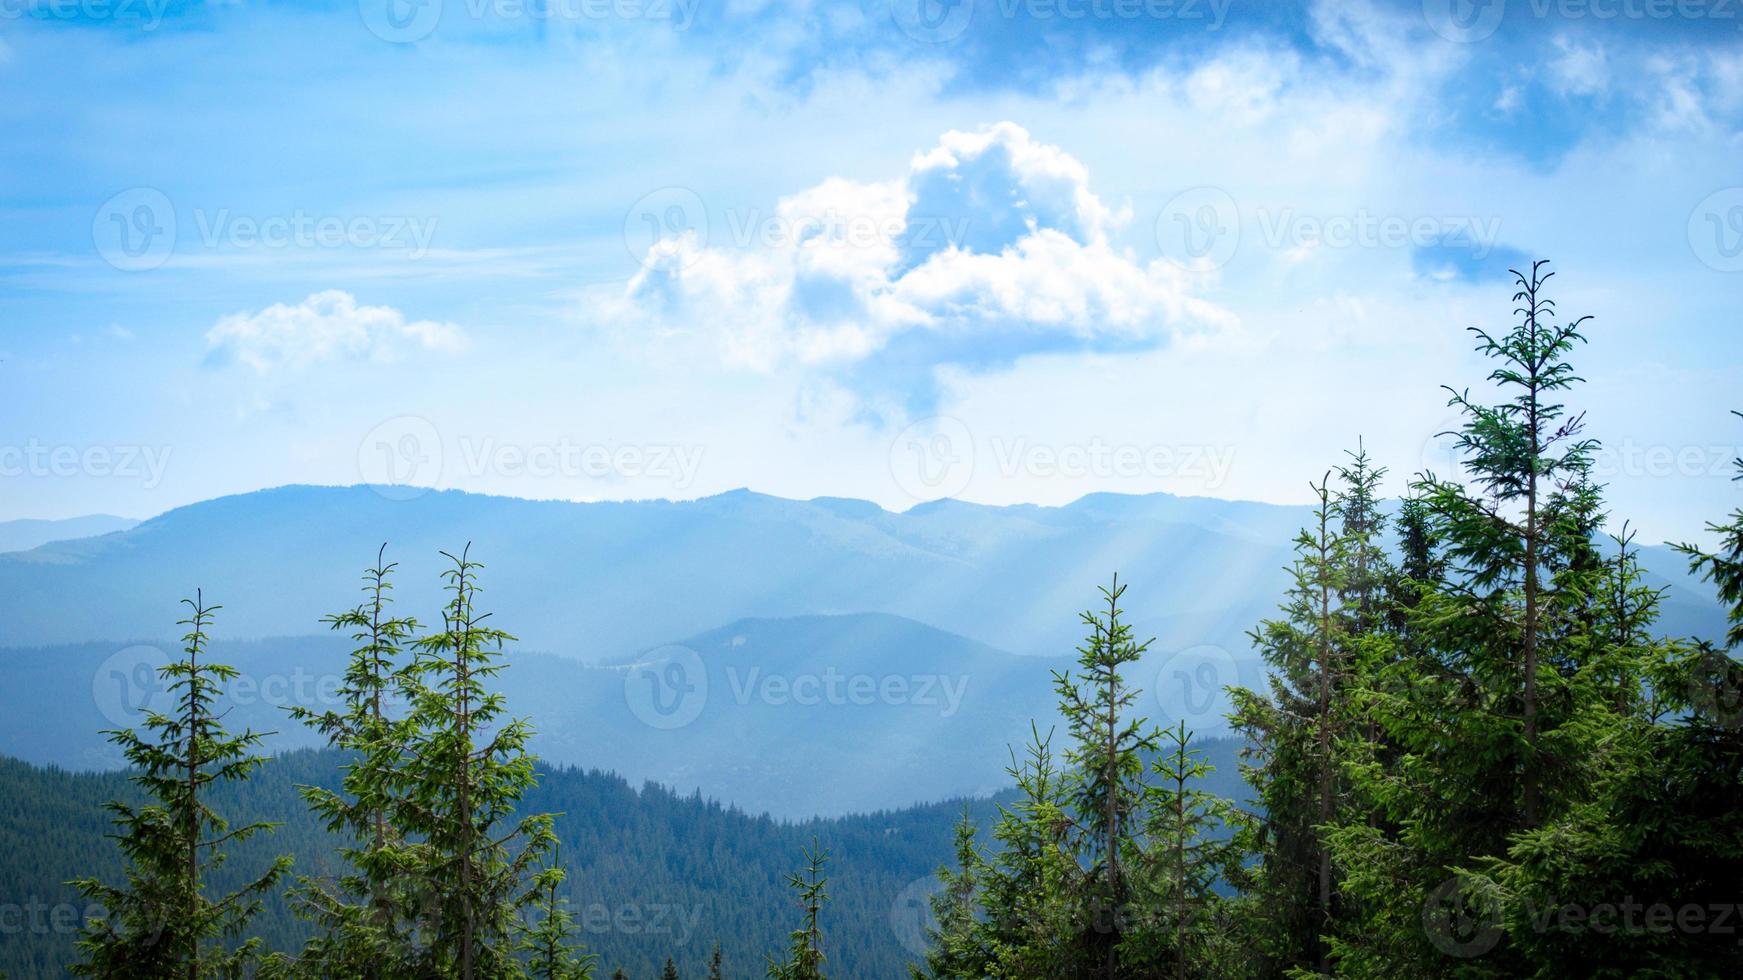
(25, 534)
(604, 580)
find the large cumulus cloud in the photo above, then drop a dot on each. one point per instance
(990, 248)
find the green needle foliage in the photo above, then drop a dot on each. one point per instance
(804, 959)
(162, 922)
(548, 941)
(365, 918)
(464, 768)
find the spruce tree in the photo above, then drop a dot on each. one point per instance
(1292, 730)
(466, 768)
(1181, 931)
(1105, 776)
(365, 917)
(714, 964)
(955, 947)
(804, 959)
(1031, 883)
(671, 970)
(162, 923)
(548, 941)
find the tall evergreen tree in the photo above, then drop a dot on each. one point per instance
(1292, 730)
(162, 922)
(548, 941)
(804, 959)
(1180, 929)
(955, 947)
(365, 917)
(1105, 779)
(466, 768)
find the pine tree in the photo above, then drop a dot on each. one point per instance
(162, 923)
(1181, 932)
(671, 970)
(365, 918)
(1031, 883)
(714, 964)
(804, 959)
(955, 947)
(1292, 731)
(466, 769)
(551, 951)
(1105, 781)
(1523, 456)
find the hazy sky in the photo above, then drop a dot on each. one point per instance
(1008, 250)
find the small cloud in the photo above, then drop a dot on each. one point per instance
(119, 332)
(1578, 69)
(326, 326)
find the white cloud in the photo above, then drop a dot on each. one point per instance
(991, 241)
(326, 326)
(1579, 69)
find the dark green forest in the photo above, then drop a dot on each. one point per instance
(1478, 754)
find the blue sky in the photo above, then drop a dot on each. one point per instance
(1011, 250)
